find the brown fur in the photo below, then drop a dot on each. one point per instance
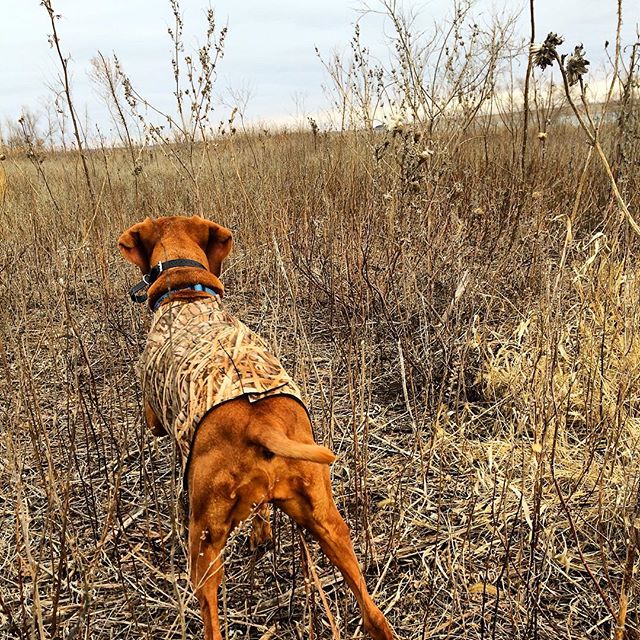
(245, 454)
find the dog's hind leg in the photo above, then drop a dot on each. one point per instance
(312, 507)
(206, 545)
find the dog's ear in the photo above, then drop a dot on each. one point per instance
(135, 244)
(218, 244)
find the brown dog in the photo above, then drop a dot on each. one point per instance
(244, 453)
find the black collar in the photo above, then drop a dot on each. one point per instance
(149, 278)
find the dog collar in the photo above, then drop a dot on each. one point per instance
(149, 278)
(193, 287)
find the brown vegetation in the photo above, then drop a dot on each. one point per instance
(467, 335)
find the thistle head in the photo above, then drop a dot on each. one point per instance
(576, 65)
(544, 54)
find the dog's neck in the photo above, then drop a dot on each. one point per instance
(178, 280)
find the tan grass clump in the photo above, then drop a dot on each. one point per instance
(460, 309)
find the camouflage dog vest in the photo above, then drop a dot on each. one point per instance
(198, 356)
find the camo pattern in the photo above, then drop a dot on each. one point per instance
(196, 357)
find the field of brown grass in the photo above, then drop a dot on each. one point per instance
(478, 382)
(464, 321)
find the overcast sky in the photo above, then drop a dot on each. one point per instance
(269, 49)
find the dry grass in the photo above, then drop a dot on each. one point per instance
(467, 336)
(483, 404)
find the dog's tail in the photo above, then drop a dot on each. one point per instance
(278, 443)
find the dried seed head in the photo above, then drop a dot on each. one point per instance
(544, 54)
(576, 65)
(396, 123)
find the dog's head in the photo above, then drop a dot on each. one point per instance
(173, 238)
(161, 239)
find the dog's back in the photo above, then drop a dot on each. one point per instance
(197, 357)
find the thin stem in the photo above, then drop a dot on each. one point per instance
(525, 120)
(67, 91)
(592, 134)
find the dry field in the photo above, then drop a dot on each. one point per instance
(467, 334)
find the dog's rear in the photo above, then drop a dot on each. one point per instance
(235, 458)
(235, 467)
